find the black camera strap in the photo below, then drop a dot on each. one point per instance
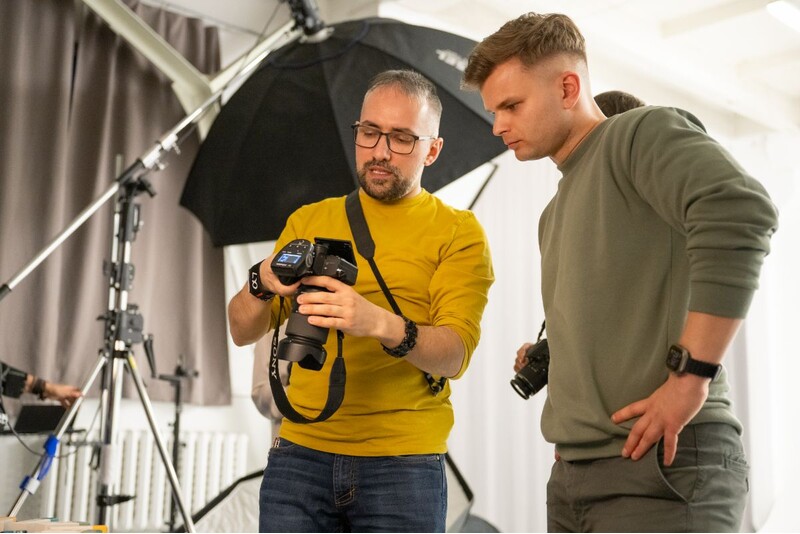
(366, 247)
(335, 382)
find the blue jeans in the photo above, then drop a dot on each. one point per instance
(305, 490)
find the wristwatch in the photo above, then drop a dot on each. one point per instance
(255, 286)
(680, 361)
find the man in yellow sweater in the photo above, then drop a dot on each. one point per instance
(377, 463)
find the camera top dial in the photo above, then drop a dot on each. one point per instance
(293, 261)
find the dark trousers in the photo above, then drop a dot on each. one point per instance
(704, 490)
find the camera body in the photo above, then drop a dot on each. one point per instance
(533, 377)
(325, 257)
(296, 260)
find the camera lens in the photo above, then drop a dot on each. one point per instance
(303, 342)
(521, 385)
(308, 354)
(529, 381)
(533, 377)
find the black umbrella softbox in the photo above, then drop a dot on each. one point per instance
(284, 138)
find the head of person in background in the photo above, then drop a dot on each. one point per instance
(614, 102)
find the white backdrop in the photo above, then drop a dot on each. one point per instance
(496, 438)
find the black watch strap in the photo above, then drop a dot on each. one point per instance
(39, 387)
(680, 361)
(257, 289)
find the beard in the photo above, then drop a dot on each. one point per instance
(393, 187)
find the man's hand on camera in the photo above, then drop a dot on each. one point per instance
(342, 308)
(271, 282)
(521, 360)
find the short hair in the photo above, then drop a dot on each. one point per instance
(615, 102)
(532, 37)
(410, 83)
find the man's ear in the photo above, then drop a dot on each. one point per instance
(434, 151)
(570, 89)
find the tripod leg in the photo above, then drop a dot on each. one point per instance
(110, 453)
(31, 483)
(162, 450)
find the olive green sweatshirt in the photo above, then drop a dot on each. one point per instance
(652, 219)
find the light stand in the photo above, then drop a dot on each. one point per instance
(176, 380)
(123, 329)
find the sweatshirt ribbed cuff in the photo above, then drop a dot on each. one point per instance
(720, 299)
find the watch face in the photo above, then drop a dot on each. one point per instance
(680, 361)
(676, 359)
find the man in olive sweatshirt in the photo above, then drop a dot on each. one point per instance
(651, 251)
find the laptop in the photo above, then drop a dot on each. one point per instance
(38, 418)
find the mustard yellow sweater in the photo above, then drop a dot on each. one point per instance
(435, 260)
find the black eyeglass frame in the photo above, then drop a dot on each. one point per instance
(357, 125)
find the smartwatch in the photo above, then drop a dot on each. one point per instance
(255, 286)
(680, 361)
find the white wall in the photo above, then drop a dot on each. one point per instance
(771, 341)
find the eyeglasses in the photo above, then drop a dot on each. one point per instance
(398, 142)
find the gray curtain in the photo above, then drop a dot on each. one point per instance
(75, 95)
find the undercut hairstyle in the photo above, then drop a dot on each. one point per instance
(413, 84)
(532, 37)
(615, 102)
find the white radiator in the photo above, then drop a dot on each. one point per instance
(210, 462)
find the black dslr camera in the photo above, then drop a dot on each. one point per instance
(300, 258)
(533, 377)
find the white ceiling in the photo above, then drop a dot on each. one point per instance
(729, 55)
